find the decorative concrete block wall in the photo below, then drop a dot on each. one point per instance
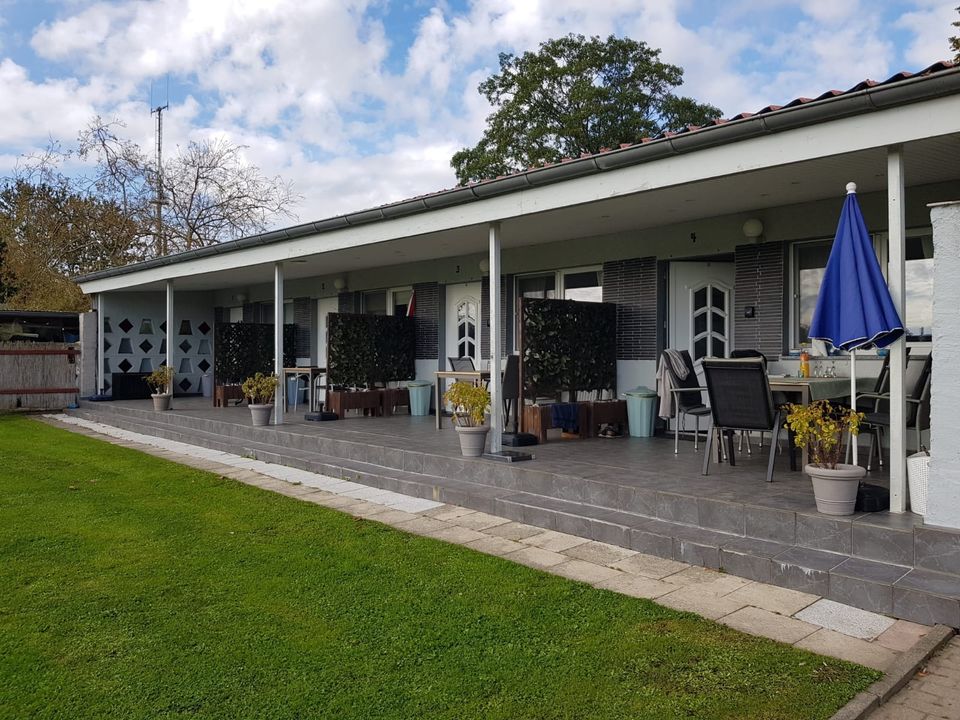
(135, 336)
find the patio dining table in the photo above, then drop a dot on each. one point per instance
(811, 389)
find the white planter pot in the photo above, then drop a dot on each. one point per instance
(161, 401)
(260, 414)
(472, 440)
(836, 490)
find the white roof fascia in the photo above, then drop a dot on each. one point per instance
(881, 128)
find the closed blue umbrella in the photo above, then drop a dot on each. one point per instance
(854, 308)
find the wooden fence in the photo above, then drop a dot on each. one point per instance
(37, 376)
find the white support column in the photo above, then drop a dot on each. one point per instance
(896, 225)
(279, 401)
(171, 335)
(496, 410)
(100, 348)
(943, 491)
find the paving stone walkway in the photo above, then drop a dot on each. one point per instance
(933, 693)
(800, 619)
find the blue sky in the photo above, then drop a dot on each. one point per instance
(361, 102)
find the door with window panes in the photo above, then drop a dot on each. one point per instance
(701, 301)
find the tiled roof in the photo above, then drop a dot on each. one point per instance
(937, 67)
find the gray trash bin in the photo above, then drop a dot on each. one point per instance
(419, 397)
(296, 393)
(206, 385)
(641, 408)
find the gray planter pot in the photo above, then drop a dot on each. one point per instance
(260, 414)
(836, 490)
(161, 401)
(472, 440)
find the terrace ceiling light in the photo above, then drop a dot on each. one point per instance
(753, 229)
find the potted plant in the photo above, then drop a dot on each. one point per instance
(161, 382)
(820, 427)
(259, 390)
(470, 404)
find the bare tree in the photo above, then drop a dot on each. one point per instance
(212, 194)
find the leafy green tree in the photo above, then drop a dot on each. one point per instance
(49, 234)
(575, 95)
(955, 40)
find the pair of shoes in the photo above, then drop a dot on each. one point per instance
(608, 431)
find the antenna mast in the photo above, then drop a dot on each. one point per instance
(160, 246)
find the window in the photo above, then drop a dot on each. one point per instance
(583, 285)
(918, 287)
(809, 262)
(288, 312)
(401, 298)
(375, 302)
(537, 286)
(236, 314)
(467, 316)
(709, 321)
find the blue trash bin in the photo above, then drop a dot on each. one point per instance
(419, 397)
(641, 409)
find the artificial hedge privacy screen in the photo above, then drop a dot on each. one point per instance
(568, 345)
(367, 349)
(244, 349)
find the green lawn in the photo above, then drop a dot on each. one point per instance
(131, 587)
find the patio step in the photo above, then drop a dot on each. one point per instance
(872, 562)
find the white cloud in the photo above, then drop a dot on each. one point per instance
(323, 95)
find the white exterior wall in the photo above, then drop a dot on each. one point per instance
(943, 501)
(88, 354)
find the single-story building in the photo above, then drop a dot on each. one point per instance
(711, 239)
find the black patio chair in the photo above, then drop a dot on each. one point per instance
(740, 399)
(916, 381)
(744, 355)
(510, 390)
(687, 400)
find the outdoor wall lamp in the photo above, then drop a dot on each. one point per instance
(239, 298)
(484, 266)
(753, 229)
(339, 284)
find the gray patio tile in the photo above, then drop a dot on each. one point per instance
(456, 535)
(480, 521)
(883, 544)
(782, 601)
(770, 524)
(805, 569)
(652, 540)
(513, 531)
(689, 599)
(649, 566)
(677, 508)
(574, 525)
(637, 586)
(720, 515)
(555, 541)
(865, 584)
(750, 558)
(928, 597)
(757, 621)
(902, 635)
(536, 557)
(834, 644)
(494, 546)
(583, 571)
(938, 550)
(845, 619)
(599, 553)
(824, 533)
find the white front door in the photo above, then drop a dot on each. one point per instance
(463, 322)
(701, 308)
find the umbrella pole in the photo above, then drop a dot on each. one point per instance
(853, 402)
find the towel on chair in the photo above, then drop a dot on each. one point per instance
(671, 367)
(566, 416)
